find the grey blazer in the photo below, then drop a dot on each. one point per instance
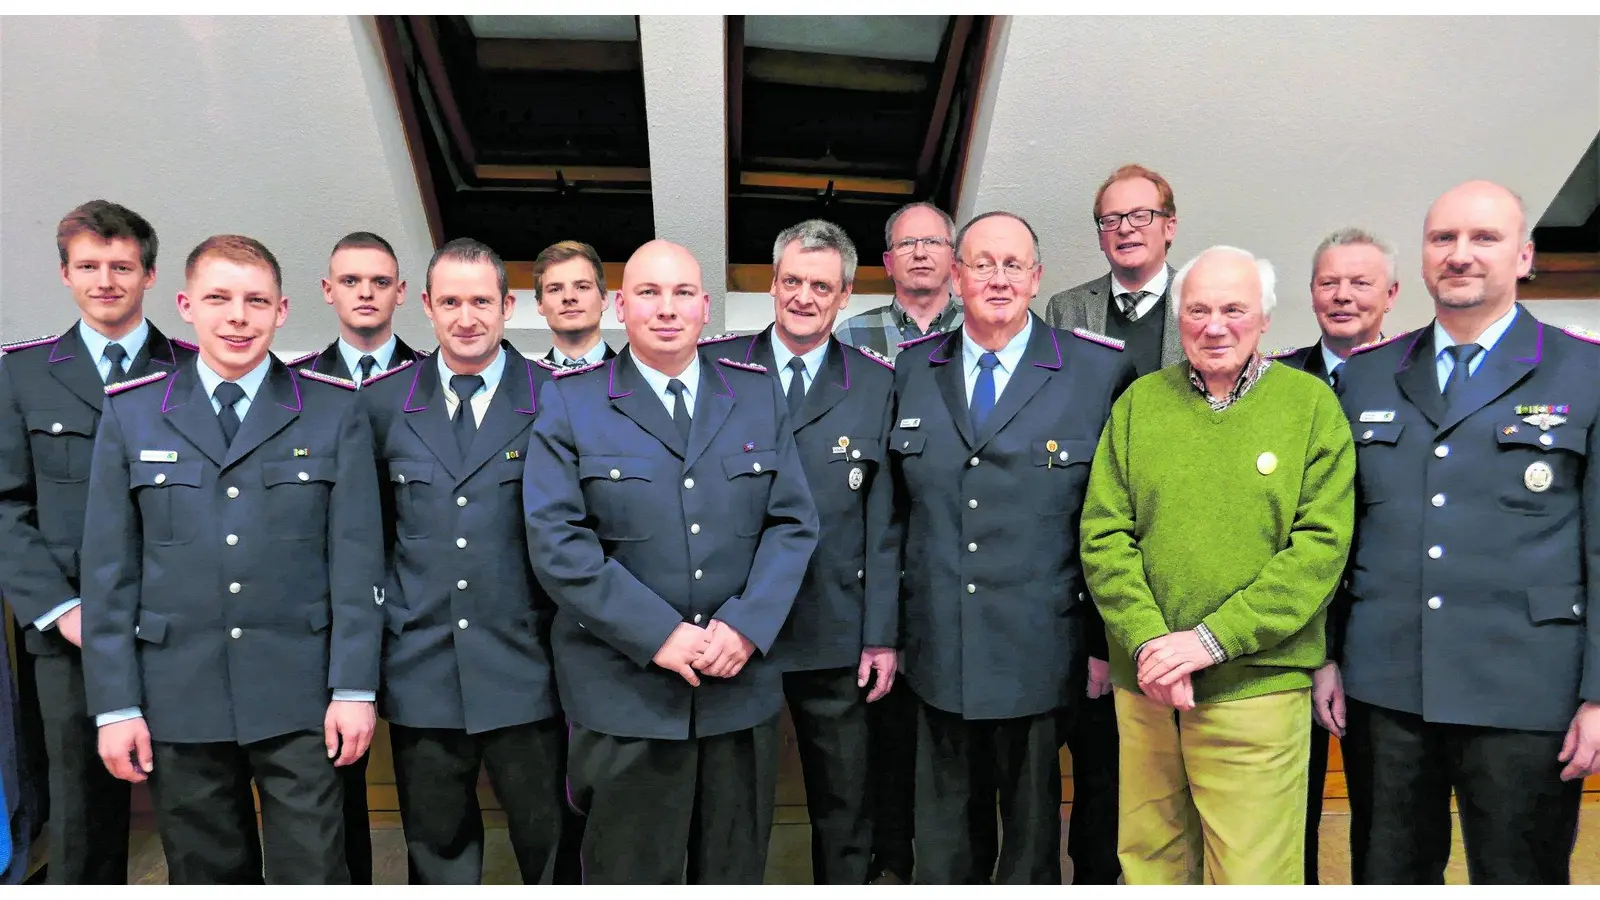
(1084, 306)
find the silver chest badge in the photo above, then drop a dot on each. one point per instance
(1538, 477)
(856, 477)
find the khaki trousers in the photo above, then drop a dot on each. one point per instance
(1216, 794)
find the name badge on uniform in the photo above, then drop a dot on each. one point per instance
(1377, 415)
(910, 423)
(158, 456)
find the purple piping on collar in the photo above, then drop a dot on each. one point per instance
(944, 347)
(1056, 344)
(1538, 347)
(297, 402)
(533, 398)
(165, 407)
(611, 381)
(409, 394)
(57, 349)
(1405, 358)
(724, 382)
(751, 348)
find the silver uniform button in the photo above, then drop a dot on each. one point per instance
(855, 454)
(757, 466)
(860, 574)
(1366, 435)
(1442, 451)
(462, 624)
(303, 476)
(461, 585)
(232, 539)
(688, 484)
(972, 548)
(697, 618)
(1577, 609)
(1063, 456)
(235, 588)
(462, 543)
(1546, 439)
(233, 492)
(55, 427)
(973, 503)
(461, 501)
(400, 478)
(1435, 603)
(972, 589)
(615, 474)
(1435, 551)
(161, 478)
(698, 574)
(694, 528)
(1438, 499)
(237, 633)
(973, 461)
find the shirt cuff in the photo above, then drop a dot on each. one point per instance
(350, 696)
(47, 620)
(120, 715)
(1209, 641)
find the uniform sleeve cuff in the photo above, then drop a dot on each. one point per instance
(118, 715)
(48, 620)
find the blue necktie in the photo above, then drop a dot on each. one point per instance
(983, 391)
(1463, 354)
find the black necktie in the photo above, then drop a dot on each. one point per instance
(1464, 354)
(1333, 376)
(797, 385)
(1130, 304)
(466, 426)
(364, 367)
(227, 394)
(680, 409)
(115, 355)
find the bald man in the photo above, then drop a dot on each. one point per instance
(1470, 659)
(669, 519)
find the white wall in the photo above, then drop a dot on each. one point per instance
(1276, 131)
(284, 129)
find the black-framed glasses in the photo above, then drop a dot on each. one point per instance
(908, 246)
(1139, 218)
(1015, 271)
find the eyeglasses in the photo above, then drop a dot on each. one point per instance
(908, 246)
(1139, 218)
(985, 270)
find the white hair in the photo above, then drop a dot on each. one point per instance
(1354, 237)
(1264, 269)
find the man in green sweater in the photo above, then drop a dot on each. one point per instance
(1216, 526)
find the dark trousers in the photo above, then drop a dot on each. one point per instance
(963, 767)
(436, 776)
(1316, 784)
(669, 812)
(88, 807)
(357, 823)
(207, 819)
(891, 767)
(830, 724)
(1090, 730)
(1519, 821)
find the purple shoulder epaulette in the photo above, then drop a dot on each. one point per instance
(130, 384)
(580, 369)
(1373, 345)
(30, 342)
(302, 360)
(1583, 334)
(1094, 337)
(1280, 354)
(547, 364)
(747, 366)
(334, 380)
(915, 341)
(717, 338)
(876, 357)
(187, 345)
(379, 376)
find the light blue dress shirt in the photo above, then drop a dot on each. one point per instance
(352, 356)
(597, 353)
(813, 359)
(95, 343)
(1010, 357)
(658, 383)
(491, 381)
(1444, 363)
(1330, 360)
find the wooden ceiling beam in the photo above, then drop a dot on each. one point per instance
(426, 39)
(524, 55)
(828, 70)
(951, 53)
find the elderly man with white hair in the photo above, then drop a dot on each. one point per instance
(1217, 524)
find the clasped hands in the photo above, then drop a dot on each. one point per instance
(1167, 666)
(717, 650)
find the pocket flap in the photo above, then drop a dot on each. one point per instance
(151, 628)
(907, 443)
(298, 471)
(1556, 604)
(80, 422)
(614, 468)
(860, 449)
(402, 471)
(1523, 435)
(164, 474)
(1057, 454)
(753, 463)
(1377, 432)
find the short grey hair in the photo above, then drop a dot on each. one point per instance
(1354, 237)
(818, 234)
(961, 235)
(1264, 269)
(888, 227)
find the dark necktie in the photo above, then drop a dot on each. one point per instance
(572, 364)
(228, 394)
(466, 426)
(115, 355)
(1130, 304)
(680, 409)
(983, 391)
(1333, 376)
(364, 367)
(797, 385)
(1464, 354)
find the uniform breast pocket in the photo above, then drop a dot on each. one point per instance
(750, 480)
(412, 483)
(62, 443)
(297, 496)
(616, 490)
(1537, 473)
(1060, 472)
(1377, 459)
(168, 495)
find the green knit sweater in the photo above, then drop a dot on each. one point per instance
(1182, 526)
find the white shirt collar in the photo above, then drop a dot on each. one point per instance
(781, 354)
(250, 382)
(1442, 341)
(352, 356)
(597, 353)
(1010, 355)
(1157, 285)
(96, 343)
